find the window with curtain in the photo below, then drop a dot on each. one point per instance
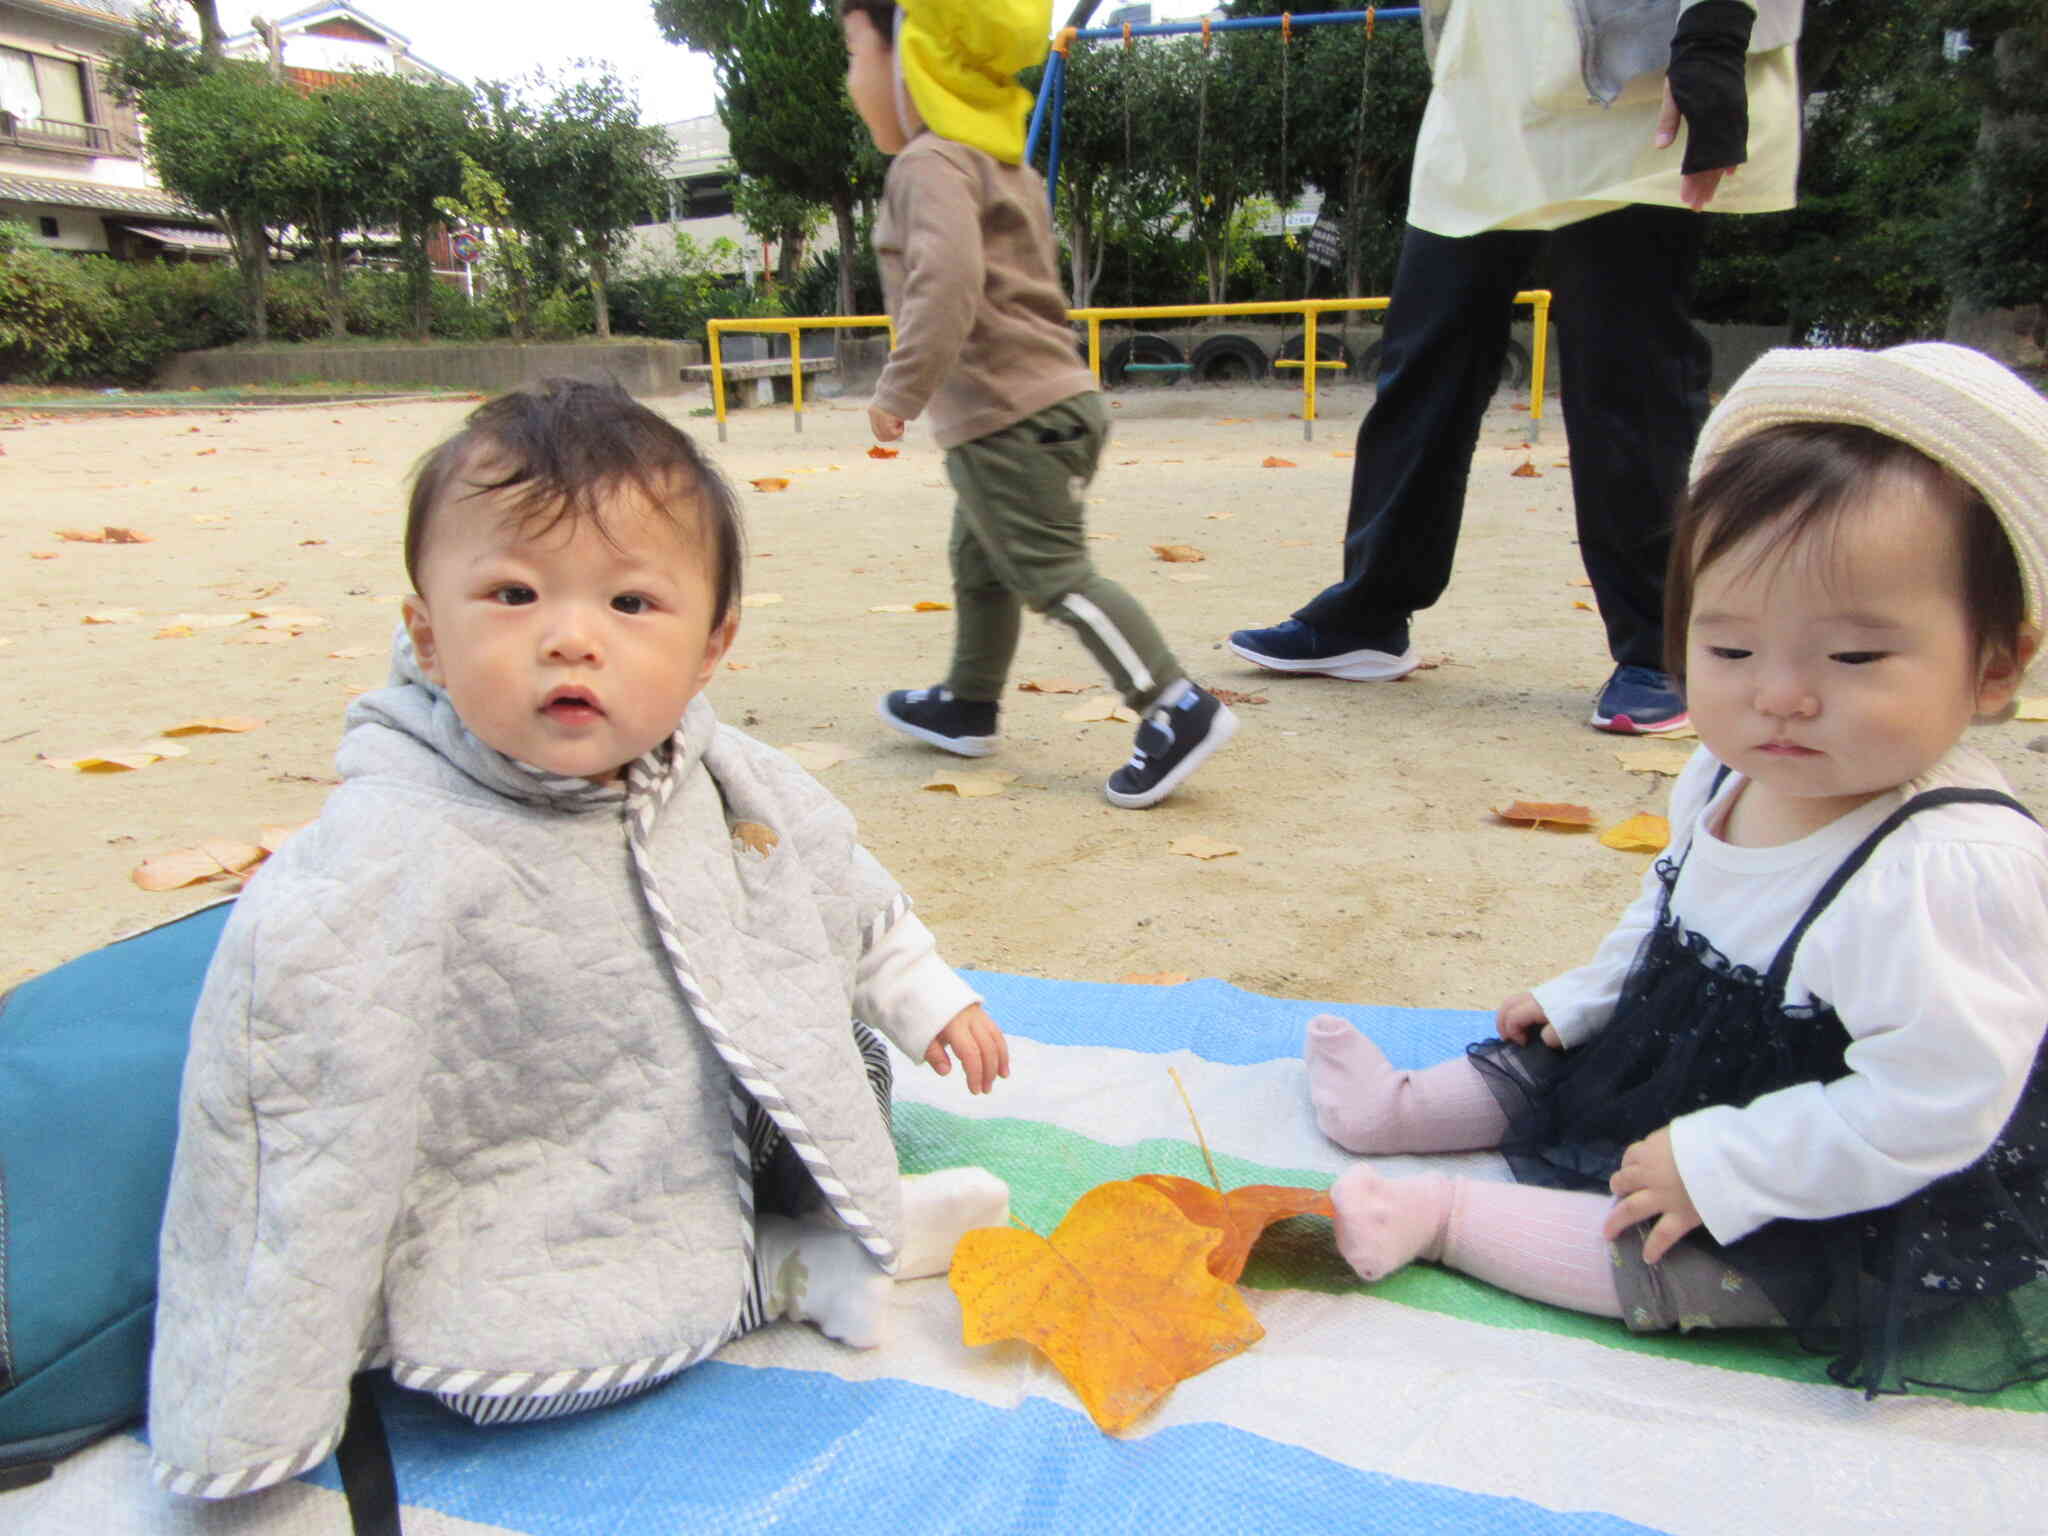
(45, 97)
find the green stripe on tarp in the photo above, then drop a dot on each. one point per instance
(1049, 1168)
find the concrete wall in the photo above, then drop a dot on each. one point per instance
(644, 367)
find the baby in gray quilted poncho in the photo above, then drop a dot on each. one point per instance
(539, 1066)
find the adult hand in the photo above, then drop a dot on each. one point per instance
(1705, 85)
(1650, 1189)
(974, 1037)
(1513, 1020)
(887, 428)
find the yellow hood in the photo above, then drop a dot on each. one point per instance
(959, 60)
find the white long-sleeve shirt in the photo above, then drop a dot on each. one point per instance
(1935, 957)
(1512, 137)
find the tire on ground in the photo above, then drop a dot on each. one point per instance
(1228, 359)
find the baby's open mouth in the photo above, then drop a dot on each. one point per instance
(571, 704)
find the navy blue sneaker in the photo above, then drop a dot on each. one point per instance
(1173, 741)
(964, 727)
(1640, 701)
(1298, 647)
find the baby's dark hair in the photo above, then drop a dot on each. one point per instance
(561, 448)
(881, 12)
(1797, 480)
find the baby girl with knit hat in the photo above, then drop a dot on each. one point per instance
(1802, 1083)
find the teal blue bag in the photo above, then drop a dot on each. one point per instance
(91, 1055)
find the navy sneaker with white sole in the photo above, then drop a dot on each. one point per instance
(1173, 741)
(1302, 648)
(1640, 701)
(964, 727)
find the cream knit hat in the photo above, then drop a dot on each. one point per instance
(1964, 411)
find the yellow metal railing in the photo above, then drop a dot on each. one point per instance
(794, 329)
(1310, 310)
(1309, 363)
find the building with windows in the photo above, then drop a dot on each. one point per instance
(71, 165)
(319, 45)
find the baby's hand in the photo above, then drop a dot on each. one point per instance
(1521, 1013)
(887, 428)
(1650, 1188)
(973, 1037)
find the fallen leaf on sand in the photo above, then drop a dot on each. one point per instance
(1154, 978)
(1196, 846)
(1582, 605)
(352, 653)
(1218, 517)
(924, 605)
(2031, 709)
(109, 535)
(1232, 696)
(214, 860)
(1178, 554)
(1051, 685)
(1274, 461)
(1240, 1214)
(1639, 834)
(1660, 757)
(770, 483)
(970, 786)
(879, 452)
(174, 632)
(292, 621)
(817, 756)
(760, 599)
(116, 759)
(1104, 706)
(216, 723)
(1120, 1298)
(1342, 453)
(42, 554)
(1526, 471)
(1548, 813)
(111, 616)
(1578, 581)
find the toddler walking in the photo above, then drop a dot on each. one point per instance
(538, 1066)
(1802, 1084)
(983, 344)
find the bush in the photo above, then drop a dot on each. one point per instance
(90, 318)
(816, 289)
(563, 316)
(672, 296)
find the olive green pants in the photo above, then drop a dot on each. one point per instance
(1020, 539)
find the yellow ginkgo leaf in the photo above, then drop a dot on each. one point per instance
(1639, 834)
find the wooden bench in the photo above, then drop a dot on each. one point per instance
(761, 372)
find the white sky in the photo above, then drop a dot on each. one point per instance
(513, 37)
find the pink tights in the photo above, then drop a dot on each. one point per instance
(1545, 1244)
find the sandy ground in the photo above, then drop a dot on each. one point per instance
(1370, 867)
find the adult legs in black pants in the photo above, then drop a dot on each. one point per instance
(1634, 376)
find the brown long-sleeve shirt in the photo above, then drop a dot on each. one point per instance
(971, 275)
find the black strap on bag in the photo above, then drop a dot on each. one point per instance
(364, 1457)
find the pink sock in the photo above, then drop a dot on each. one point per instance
(1544, 1244)
(1364, 1104)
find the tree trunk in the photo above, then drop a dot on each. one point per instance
(250, 242)
(789, 254)
(212, 39)
(2016, 337)
(599, 303)
(842, 219)
(1212, 259)
(332, 251)
(419, 267)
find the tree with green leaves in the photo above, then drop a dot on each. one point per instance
(771, 214)
(601, 167)
(238, 145)
(415, 133)
(781, 68)
(1998, 235)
